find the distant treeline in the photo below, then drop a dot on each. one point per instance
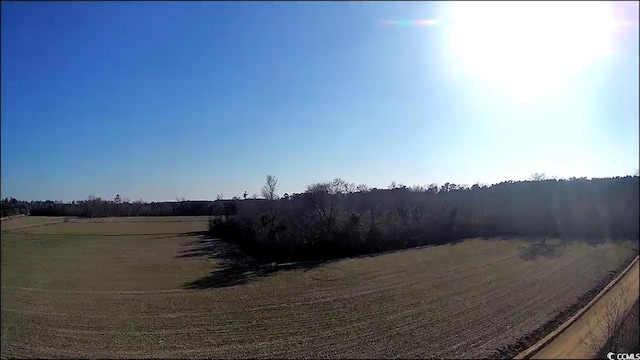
(96, 207)
(337, 219)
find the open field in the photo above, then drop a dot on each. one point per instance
(126, 287)
(20, 223)
(108, 226)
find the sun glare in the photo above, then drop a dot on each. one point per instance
(529, 48)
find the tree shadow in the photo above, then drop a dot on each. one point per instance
(237, 267)
(541, 250)
(551, 248)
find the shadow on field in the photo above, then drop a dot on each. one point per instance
(240, 268)
(539, 249)
(551, 248)
(237, 267)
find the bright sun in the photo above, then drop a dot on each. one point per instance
(527, 47)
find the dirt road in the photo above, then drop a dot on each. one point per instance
(574, 342)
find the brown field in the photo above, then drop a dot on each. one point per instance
(173, 225)
(75, 290)
(19, 223)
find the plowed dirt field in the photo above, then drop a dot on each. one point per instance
(159, 287)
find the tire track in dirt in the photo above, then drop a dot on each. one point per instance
(98, 292)
(18, 230)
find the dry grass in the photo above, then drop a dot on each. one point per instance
(630, 332)
(28, 222)
(114, 226)
(622, 339)
(124, 296)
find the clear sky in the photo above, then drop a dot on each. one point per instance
(158, 100)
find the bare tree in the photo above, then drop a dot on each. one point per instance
(269, 189)
(607, 330)
(538, 177)
(362, 188)
(339, 186)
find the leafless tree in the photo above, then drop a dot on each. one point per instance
(270, 187)
(339, 186)
(607, 330)
(362, 188)
(538, 177)
(319, 187)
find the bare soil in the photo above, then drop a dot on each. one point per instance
(589, 332)
(134, 289)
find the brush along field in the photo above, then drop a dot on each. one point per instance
(158, 287)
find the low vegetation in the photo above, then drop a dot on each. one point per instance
(626, 338)
(617, 330)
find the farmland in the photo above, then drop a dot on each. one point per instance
(160, 287)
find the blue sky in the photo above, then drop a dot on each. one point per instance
(158, 100)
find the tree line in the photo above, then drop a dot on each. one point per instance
(97, 207)
(337, 219)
